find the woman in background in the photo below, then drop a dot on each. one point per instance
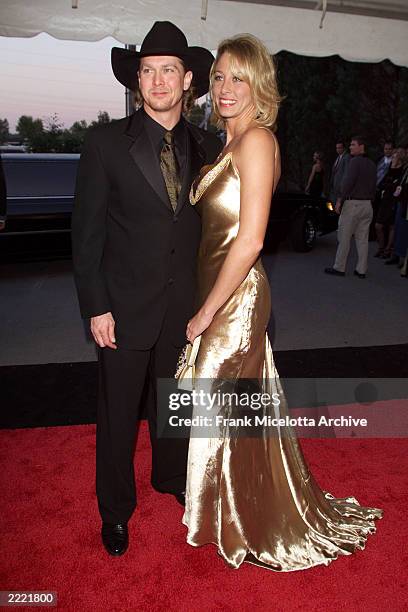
(388, 202)
(315, 184)
(401, 224)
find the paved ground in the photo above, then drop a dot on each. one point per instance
(314, 310)
(41, 322)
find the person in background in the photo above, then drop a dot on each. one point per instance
(355, 209)
(338, 170)
(384, 163)
(387, 207)
(3, 198)
(315, 183)
(382, 168)
(401, 224)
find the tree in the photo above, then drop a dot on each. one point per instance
(53, 124)
(52, 137)
(4, 131)
(27, 127)
(73, 138)
(79, 126)
(305, 123)
(384, 97)
(103, 117)
(329, 98)
(49, 140)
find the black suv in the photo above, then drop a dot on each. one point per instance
(299, 218)
(40, 192)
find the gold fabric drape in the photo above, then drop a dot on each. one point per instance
(253, 496)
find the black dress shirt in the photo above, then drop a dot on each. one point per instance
(156, 134)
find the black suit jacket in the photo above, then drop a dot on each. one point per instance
(132, 255)
(337, 176)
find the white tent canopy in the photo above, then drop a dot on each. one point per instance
(357, 30)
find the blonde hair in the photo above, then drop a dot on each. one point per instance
(252, 63)
(401, 155)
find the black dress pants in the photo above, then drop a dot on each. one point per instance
(122, 377)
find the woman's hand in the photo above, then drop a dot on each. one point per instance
(197, 325)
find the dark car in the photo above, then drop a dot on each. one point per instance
(40, 193)
(299, 218)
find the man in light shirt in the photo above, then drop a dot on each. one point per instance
(354, 205)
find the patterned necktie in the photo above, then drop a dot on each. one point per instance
(381, 170)
(169, 168)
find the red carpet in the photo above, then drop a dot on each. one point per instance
(50, 534)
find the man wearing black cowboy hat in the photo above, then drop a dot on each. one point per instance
(135, 239)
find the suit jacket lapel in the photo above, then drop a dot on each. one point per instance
(195, 160)
(143, 154)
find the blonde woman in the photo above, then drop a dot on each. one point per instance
(388, 203)
(249, 491)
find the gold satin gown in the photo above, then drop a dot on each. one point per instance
(254, 497)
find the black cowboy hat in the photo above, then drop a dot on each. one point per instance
(163, 39)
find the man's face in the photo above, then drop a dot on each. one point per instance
(388, 149)
(339, 148)
(162, 81)
(356, 148)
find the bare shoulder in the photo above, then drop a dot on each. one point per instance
(258, 136)
(256, 144)
(257, 148)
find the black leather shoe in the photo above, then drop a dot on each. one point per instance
(393, 261)
(358, 274)
(115, 538)
(333, 271)
(181, 498)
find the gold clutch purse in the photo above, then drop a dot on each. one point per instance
(185, 372)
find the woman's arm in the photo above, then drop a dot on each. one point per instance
(309, 182)
(258, 163)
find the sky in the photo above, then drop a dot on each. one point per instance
(41, 76)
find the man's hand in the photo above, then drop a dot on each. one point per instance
(338, 206)
(103, 330)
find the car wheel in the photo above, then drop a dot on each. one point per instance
(303, 232)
